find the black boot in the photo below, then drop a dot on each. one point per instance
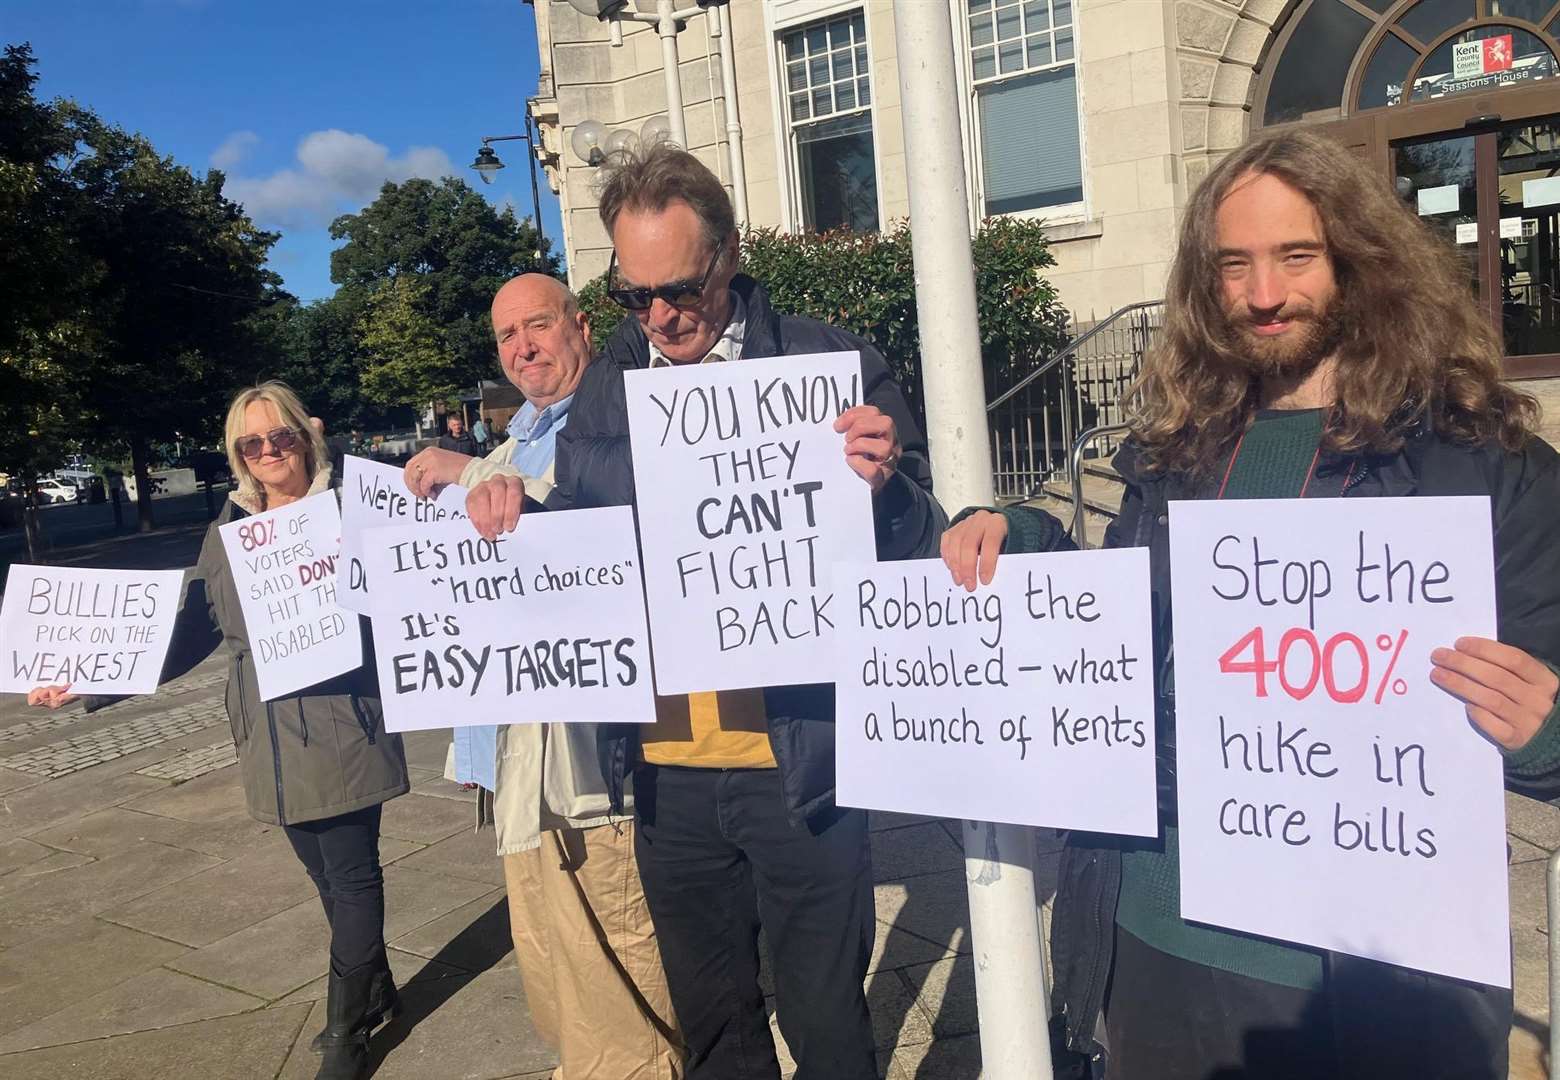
(384, 1004)
(345, 1038)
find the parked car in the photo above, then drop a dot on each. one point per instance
(52, 491)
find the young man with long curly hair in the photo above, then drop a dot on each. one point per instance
(1318, 340)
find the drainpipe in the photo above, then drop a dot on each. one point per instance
(720, 26)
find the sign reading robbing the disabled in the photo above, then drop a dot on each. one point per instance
(284, 565)
(1029, 701)
(96, 631)
(546, 623)
(374, 495)
(1329, 793)
(745, 501)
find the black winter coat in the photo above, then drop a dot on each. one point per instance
(1460, 1029)
(594, 467)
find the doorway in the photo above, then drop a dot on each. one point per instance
(1492, 192)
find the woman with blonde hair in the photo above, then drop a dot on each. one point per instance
(317, 762)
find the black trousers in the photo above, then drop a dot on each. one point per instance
(341, 854)
(718, 858)
(1171, 1019)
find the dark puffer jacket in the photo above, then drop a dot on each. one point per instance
(595, 468)
(1388, 1021)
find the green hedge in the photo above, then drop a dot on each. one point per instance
(864, 282)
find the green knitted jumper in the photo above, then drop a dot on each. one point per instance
(1273, 462)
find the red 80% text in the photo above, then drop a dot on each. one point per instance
(1319, 662)
(257, 534)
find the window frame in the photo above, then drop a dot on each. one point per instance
(793, 208)
(975, 156)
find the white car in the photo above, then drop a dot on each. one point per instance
(56, 491)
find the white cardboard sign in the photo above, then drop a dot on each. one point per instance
(1329, 793)
(96, 631)
(1029, 701)
(374, 495)
(745, 501)
(545, 624)
(284, 566)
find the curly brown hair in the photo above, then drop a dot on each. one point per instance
(1414, 348)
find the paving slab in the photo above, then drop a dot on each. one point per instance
(878, 820)
(109, 830)
(1536, 822)
(424, 819)
(211, 799)
(464, 1028)
(439, 788)
(46, 901)
(212, 904)
(270, 959)
(414, 899)
(34, 809)
(160, 998)
(913, 850)
(894, 948)
(1520, 851)
(51, 863)
(15, 854)
(467, 854)
(946, 1059)
(77, 960)
(945, 990)
(934, 907)
(473, 937)
(11, 780)
(426, 750)
(250, 1046)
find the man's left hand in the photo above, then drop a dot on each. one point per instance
(1509, 693)
(433, 468)
(872, 447)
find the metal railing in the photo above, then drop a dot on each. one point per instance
(1035, 422)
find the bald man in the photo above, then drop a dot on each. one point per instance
(583, 937)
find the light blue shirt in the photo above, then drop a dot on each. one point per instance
(535, 432)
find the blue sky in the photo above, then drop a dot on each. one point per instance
(308, 107)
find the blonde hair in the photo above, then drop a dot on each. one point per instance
(1415, 348)
(291, 413)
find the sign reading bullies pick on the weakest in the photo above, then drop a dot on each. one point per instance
(96, 631)
(374, 495)
(1329, 792)
(745, 501)
(1028, 701)
(546, 623)
(284, 566)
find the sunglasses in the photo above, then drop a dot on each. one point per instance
(679, 294)
(283, 440)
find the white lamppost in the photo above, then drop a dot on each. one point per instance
(669, 20)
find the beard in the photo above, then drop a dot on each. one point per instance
(1313, 336)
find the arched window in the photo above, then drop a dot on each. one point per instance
(1336, 58)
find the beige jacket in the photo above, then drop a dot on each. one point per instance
(547, 775)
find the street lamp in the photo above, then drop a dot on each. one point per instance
(669, 20)
(487, 165)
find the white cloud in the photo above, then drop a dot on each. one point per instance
(336, 171)
(234, 149)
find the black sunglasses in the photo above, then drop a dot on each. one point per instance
(282, 440)
(679, 294)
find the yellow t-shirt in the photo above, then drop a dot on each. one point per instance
(722, 730)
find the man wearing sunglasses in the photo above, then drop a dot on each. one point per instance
(734, 791)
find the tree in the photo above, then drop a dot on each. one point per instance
(459, 250)
(406, 358)
(182, 278)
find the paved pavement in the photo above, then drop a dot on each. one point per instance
(150, 928)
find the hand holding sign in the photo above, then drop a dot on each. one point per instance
(872, 447)
(373, 495)
(51, 697)
(1509, 694)
(970, 548)
(433, 469)
(494, 505)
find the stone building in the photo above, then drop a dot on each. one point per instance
(1099, 116)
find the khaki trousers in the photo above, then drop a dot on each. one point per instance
(588, 956)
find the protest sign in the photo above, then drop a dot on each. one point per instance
(1029, 701)
(546, 623)
(284, 565)
(96, 631)
(1329, 793)
(745, 500)
(374, 495)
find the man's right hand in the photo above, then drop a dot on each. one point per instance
(51, 697)
(432, 469)
(971, 547)
(494, 506)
